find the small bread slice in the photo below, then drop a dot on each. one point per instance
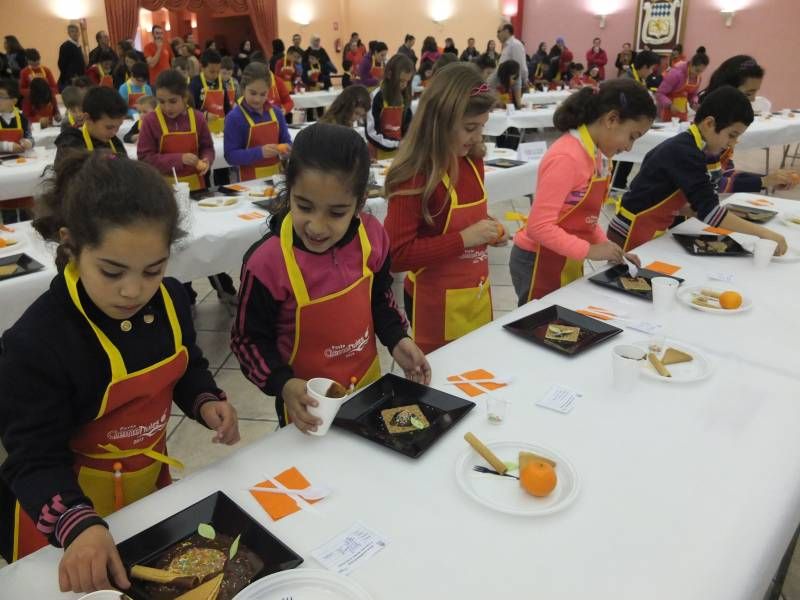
(525, 458)
(673, 356)
(205, 591)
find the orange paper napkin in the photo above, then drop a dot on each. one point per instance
(662, 267)
(281, 505)
(251, 216)
(475, 389)
(718, 230)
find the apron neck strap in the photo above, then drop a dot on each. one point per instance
(17, 118)
(587, 141)
(636, 74)
(162, 121)
(451, 190)
(87, 139)
(205, 83)
(247, 116)
(698, 137)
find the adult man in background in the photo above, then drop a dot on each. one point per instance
(470, 53)
(513, 50)
(103, 43)
(408, 49)
(316, 50)
(71, 62)
(157, 53)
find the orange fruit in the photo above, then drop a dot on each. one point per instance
(538, 479)
(730, 300)
(283, 148)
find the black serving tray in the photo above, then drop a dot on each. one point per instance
(688, 243)
(610, 279)
(25, 265)
(751, 213)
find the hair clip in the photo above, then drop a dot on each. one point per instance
(481, 89)
(623, 101)
(748, 64)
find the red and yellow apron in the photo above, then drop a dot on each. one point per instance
(181, 142)
(231, 94)
(87, 139)
(104, 79)
(552, 270)
(654, 221)
(325, 344)
(130, 428)
(503, 95)
(72, 120)
(391, 123)
(214, 104)
(680, 100)
(133, 97)
(12, 134)
(313, 80)
(266, 132)
(453, 297)
(377, 72)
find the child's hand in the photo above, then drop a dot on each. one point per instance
(634, 259)
(189, 159)
(782, 178)
(782, 246)
(57, 118)
(221, 417)
(296, 400)
(480, 233)
(269, 150)
(202, 167)
(26, 144)
(135, 138)
(503, 236)
(88, 560)
(16, 148)
(605, 251)
(412, 360)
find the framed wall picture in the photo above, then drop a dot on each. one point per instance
(659, 24)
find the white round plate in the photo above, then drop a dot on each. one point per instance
(102, 595)
(792, 255)
(304, 584)
(686, 295)
(504, 494)
(220, 200)
(504, 153)
(22, 241)
(13, 164)
(786, 219)
(696, 370)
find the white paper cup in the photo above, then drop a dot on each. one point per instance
(664, 291)
(675, 122)
(786, 112)
(490, 146)
(626, 362)
(763, 252)
(328, 407)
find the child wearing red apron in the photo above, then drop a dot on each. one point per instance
(680, 86)
(33, 71)
(135, 87)
(316, 290)
(438, 223)
(253, 134)
(313, 74)
(105, 110)
(40, 104)
(507, 90)
(90, 371)
(100, 72)
(231, 85)
(371, 67)
(562, 230)
(677, 178)
(390, 116)
(15, 136)
(209, 91)
(72, 97)
(288, 71)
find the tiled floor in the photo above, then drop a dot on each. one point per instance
(190, 442)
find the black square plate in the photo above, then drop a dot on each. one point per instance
(266, 204)
(374, 190)
(226, 517)
(534, 327)
(362, 413)
(504, 163)
(610, 279)
(751, 213)
(733, 248)
(24, 263)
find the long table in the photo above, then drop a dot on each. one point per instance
(686, 491)
(319, 99)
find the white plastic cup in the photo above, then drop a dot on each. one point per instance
(496, 409)
(664, 291)
(328, 407)
(676, 122)
(510, 109)
(786, 112)
(490, 146)
(626, 362)
(763, 252)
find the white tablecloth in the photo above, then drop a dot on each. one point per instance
(319, 99)
(550, 97)
(46, 137)
(500, 120)
(762, 133)
(216, 243)
(686, 491)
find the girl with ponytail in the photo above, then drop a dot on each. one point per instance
(562, 229)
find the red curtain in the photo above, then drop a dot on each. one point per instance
(194, 5)
(264, 17)
(123, 19)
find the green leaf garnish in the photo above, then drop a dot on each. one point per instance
(234, 547)
(511, 465)
(207, 531)
(415, 421)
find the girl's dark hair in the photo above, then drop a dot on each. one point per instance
(576, 66)
(646, 58)
(429, 44)
(125, 46)
(105, 56)
(485, 61)
(390, 86)
(82, 81)
(100, 101)
(628, 98)
(255, 71)
(132, 55)
(258, 56)
(341, 111)
(331, 149)
(140, 70)
(728, 106)
(210, 57)
(40, 93)
(278, 46)
(445, 59)
(11, 86)
(13, 45)
(92, 192)
(226, 63)
(380, 47)
(172, 81)
(734, 72)
(424, 65)
(506, 71)
(32, 55)
(700, 57)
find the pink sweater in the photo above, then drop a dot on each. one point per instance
(150, 138)
(564, 176)
(674, 79)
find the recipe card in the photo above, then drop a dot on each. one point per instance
(347, 550)
(560, 399)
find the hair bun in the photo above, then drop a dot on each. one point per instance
(701, 50)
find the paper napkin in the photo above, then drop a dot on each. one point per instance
(281, 505)
(475, 389)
